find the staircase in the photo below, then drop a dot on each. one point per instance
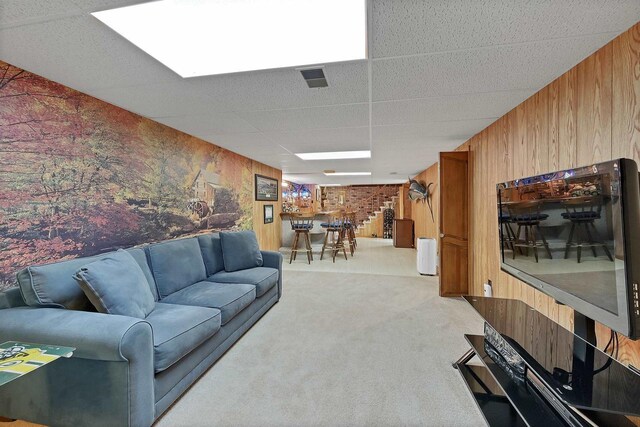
(372, 227)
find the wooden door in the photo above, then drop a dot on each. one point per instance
(454, 223)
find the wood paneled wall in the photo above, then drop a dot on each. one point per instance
(404, 203)
(269, 235)
(589, 114)
(424, 225)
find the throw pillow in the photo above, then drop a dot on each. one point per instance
(116, 284)
(240, 250)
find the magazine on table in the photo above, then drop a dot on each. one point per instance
(17, 359)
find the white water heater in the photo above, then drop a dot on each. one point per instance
(427, 256)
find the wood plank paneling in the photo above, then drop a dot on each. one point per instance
(567, 119)
(424, 225)
(554, 125)
(269, 235)
(594, 107)
(589, 114)
(541, 138)
(626, 95)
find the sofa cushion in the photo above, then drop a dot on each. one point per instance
(176, 264)
(115, 284)
(211, 249)
(229, 298)
(240, 250)
(53, 285)
(263, 278)
(178, 329)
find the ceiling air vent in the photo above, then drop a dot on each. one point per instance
(314, 77)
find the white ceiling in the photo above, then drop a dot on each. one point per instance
(439, 72)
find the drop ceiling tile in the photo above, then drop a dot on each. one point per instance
(499, 68)
(308, 118)
(23, 12)
(248, 140)
(81, 53)
(157, 100)
(284, 88)
(97, 5)
(446, 108)
(318, 166)
(407, 27)
(214, 123)
(408, 147)
(333, 139)
(459, 129)
(275, 89)
(407, 157)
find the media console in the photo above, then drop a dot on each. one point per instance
(566, 380)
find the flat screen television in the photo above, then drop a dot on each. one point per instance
(575, 235)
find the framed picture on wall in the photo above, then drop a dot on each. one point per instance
(266, 189)
(268, 214)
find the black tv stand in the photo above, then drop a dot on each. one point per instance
(569, 382)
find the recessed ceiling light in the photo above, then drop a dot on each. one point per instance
(205, 37)
(335, 155)
(347, 173)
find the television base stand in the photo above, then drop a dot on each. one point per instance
(568, 381)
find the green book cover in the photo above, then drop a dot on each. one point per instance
(18, 359)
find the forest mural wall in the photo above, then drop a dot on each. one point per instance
(80, 177)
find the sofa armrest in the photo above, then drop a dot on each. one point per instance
(274, 260)
(107, 382)
(94, 335)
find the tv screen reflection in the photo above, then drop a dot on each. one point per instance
(562, 231)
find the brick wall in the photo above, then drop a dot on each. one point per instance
(364, 199)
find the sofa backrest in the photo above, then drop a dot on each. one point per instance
(211, 250)
(53, 285)
(176, 264)
(140, 256)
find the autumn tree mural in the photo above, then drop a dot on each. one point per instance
(80, 177)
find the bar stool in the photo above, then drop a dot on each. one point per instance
(507, 235)
(334, 238)
(582, 213)
(301, 224)
(527, 216)
(350, 231)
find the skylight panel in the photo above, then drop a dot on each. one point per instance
(207, 37)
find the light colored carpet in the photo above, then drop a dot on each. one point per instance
(342, 350)
(373, 256)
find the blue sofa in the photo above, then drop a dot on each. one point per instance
(127, 371)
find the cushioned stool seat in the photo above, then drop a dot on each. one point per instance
(263, 278)
(578, 216)
(178, 329)
(330, 224)
(229, 298)
(302, 226)
(530, 218)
